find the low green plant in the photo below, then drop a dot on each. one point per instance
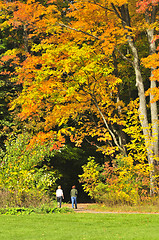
(16, 211)
(28, 211)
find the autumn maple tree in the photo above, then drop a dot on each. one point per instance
(40, 73)
(118, 23)
(72, 63)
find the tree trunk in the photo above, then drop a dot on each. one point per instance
(153, 105)
(150, 143)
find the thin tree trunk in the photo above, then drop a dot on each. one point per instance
(153, 104)
(143, 116)
(123, 13)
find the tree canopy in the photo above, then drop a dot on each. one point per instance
(87, 70)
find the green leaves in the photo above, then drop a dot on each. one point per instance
(22, 169)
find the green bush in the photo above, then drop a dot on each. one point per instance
(22, 172)
(28, 211)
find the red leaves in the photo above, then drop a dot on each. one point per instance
(146, 5)
(56, 146)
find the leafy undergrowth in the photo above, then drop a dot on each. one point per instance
(28, 211)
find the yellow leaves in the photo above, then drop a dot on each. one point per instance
(104, 138)
(70, 74)
(87, 13)
(108, 150)
(46, 88)
(136, 146)
(121, 182)
(154, 92)
(151, 61)
(128, 161)
(10, 54)
(90, 19)
(111, 36)
(29, 108)
(90, 177)
(52, 15)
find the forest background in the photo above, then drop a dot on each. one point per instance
(79, 96)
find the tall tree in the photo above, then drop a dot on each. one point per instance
(68, 69)
(117, 23)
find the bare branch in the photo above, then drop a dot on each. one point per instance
(123, 56)
(74, 6)
(116, 11)
(101, 6)
(77, 30)
(92, 143)
(106, 124)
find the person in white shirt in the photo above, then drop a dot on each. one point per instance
(59, 196)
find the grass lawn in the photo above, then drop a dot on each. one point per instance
(78, 226)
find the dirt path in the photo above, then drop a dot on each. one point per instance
(84, 208)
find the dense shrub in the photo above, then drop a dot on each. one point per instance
(24, 178)
(122, 183)
(25, 199)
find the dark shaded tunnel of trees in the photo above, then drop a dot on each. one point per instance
(69, 162)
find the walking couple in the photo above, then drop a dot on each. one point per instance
(73, 194)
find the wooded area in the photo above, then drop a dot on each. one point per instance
(79, 77)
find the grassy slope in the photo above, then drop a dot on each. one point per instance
(80, 226)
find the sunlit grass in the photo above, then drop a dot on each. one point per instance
(80, 226)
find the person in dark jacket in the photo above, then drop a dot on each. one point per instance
(74, 194)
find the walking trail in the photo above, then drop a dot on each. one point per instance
(85, 208)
